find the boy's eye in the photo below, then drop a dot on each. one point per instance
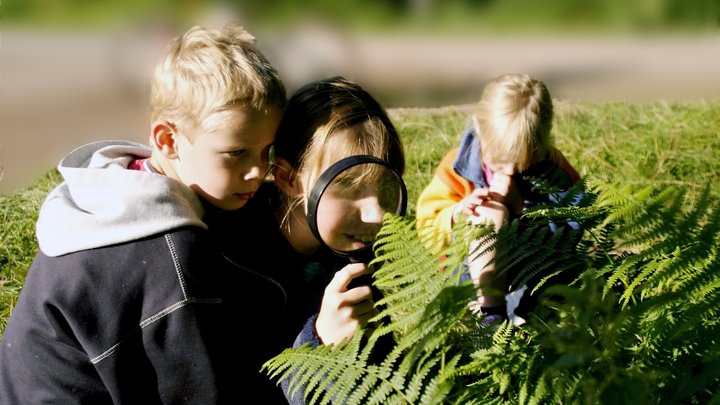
(237, 153)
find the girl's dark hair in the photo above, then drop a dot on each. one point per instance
(335, 104)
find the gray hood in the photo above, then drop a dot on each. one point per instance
(102, 203)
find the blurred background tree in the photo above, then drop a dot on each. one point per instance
(83, 66)
(426, 15)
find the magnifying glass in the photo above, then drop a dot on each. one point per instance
(347, 204)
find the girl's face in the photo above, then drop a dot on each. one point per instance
(351, 209)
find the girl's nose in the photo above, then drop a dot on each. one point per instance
(370, 211)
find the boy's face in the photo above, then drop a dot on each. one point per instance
(228, 159)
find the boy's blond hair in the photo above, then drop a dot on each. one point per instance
(513, 120)
(207, 70)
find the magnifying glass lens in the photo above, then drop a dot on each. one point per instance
(351, 208)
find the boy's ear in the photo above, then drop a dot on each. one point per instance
(163, 138)
(285, 178)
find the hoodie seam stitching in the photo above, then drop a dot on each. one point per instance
(165, 311)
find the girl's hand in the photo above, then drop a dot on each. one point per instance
(343, 311)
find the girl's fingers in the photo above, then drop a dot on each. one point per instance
(344, 276)
(357, 295)
(343, 311)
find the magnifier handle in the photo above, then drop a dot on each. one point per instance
(364, 279)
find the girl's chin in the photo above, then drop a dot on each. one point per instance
(347, 246)
(357, 245)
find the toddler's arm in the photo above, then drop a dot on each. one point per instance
(504, 190)
(491, 286)
(435, 211)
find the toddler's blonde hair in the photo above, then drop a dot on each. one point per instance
(513, 120)
(207, 70)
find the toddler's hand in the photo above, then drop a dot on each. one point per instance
(503, 190)
(471, 201)
(342, 311)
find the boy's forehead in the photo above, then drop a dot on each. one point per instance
(239, 115)
(245, 125)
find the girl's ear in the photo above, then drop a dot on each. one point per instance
(285, 178)
(162, 138)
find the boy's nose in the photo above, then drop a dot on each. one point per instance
(255, 172)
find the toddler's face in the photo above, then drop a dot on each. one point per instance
(228, 159)
(502, 168)
(499, 166)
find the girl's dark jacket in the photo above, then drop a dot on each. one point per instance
(131, 300)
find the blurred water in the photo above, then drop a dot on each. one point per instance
(59, 90)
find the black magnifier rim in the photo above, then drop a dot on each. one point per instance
(329, 175)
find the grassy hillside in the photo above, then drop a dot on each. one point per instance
(659, 143)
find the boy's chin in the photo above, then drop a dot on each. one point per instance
(235, 205)
(228, 205)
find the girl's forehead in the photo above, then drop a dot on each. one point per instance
(339, 144)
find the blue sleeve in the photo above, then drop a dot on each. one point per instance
(310, 336)
(560, 199)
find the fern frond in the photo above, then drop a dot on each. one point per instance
(638, 321)
(537, 255)
(409, 283)
(683, 241)
(640, 219)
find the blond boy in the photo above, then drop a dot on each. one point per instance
(122, 303)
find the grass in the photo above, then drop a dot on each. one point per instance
(661, 143)
(639, 144)
(18, 213)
